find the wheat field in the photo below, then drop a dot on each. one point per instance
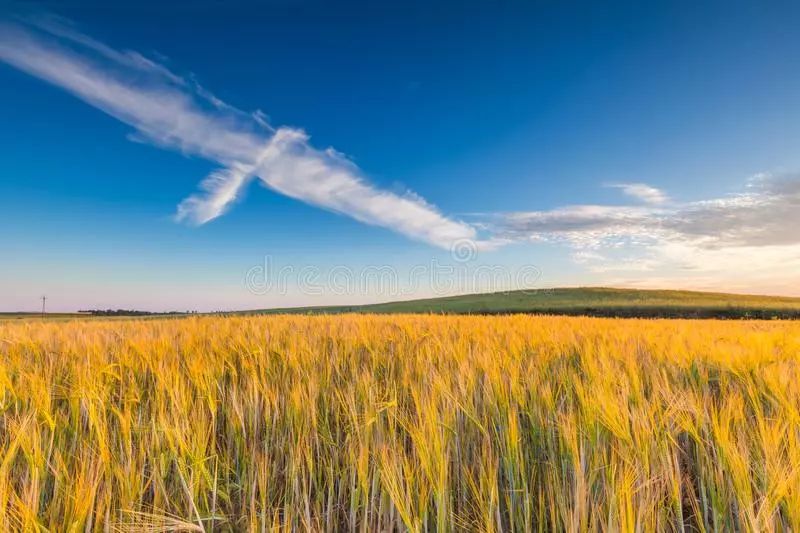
(399, 423)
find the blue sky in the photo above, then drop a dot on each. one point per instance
(629, 144)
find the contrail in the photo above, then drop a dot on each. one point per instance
(176, 113)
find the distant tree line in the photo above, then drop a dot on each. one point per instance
(131, 312)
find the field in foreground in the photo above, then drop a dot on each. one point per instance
(379, 423)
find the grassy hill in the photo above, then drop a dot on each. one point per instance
(588, 301)
(592, 301)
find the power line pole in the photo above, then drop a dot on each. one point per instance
(44, 300)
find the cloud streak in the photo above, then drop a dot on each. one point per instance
(175, 112)
(744, 234)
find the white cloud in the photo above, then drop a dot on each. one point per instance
(765, 214)
(221, 188)
(751, 235)
(642, 192)
(175, 112)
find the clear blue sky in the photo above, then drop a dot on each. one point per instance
(635, 144)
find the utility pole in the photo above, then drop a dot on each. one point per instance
(44, 300)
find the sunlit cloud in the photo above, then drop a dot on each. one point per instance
(765, 213)
(642, 192)
(736, 237)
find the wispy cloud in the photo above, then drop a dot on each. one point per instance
(642, 192)
(177, 113)
(740, 236)
(764, 213)
(736, 237)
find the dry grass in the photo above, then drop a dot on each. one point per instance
(414, 423)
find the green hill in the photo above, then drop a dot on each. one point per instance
(591, 301)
